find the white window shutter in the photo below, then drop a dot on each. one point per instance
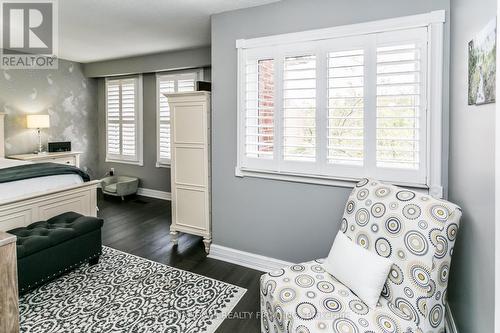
(299, 108)
(124, 120)
(259, 109)
(338, 109)
(113, 129)
(165, 86)
(186, 84)
(401, 102)
(346, 85)
(129, 118)
(169, 83)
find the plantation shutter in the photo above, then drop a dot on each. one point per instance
(169, 84)
(187, 84)
(122, 118)
(401, 102)
(113, 130)
(345, 108)
(259, 111)
(346, 84)
(299, 108)
(165, 86)
(129, 118)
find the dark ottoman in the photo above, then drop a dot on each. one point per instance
(48, 249)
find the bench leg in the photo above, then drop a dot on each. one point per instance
(94, 261)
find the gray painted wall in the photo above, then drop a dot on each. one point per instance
(66, 95)
(472, 179)
(284, 220)
(151, 176)
(166, 61)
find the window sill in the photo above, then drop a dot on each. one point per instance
(316, 179)
(163, 165)
(138, 163)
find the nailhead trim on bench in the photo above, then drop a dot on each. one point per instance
(38, 283)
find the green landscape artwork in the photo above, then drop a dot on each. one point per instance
(482, 66)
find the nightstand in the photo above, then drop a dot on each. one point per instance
(66, 157)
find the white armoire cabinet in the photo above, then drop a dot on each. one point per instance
(190, 166)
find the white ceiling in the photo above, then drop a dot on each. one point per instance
(93, 30)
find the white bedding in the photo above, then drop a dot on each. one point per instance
(26, 187)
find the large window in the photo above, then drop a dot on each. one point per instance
(333, 104)
(169, 83)
(124, 120)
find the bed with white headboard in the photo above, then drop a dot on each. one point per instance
(39, 204)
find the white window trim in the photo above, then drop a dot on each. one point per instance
(140, 137)
(199, 74)
(434, 21)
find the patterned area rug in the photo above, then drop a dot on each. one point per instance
(125, 293)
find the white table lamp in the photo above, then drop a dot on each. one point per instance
(38, 121)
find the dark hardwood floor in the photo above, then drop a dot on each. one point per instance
(140, 226)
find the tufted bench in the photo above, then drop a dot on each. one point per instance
(48, 249)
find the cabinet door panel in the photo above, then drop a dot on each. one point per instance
(190, 208)
(190, 166)
(189, 124)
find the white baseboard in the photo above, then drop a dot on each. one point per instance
(146, 192)
(246, 259)
(450, 325)
(154, 193)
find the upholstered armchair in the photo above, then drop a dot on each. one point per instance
(415, 231)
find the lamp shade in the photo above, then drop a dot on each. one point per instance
(38, 121)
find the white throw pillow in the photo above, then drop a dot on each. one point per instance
(360, 270)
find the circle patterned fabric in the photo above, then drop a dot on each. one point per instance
(415, 231)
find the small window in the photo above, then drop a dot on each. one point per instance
(124, 120)
(169, 83)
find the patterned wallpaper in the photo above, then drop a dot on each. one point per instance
(66, 95)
